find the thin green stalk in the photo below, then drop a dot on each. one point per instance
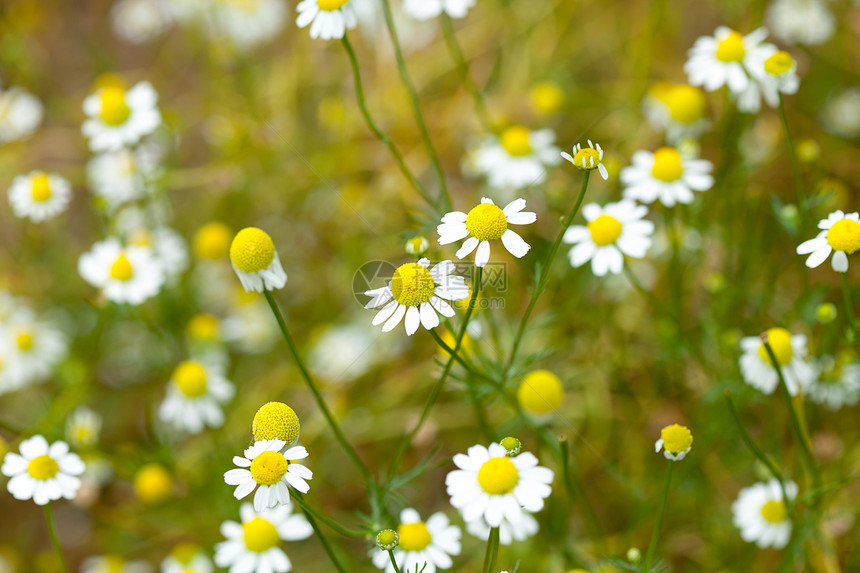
(393, 562)
(416, 108)
(849, 306)
(460, 360)
(55, 542)
(544, 276)
(346, 532)
(652, 548)
(380, 135)
(350, 452)
(492, 551)
(323, 541)
(592, 521)
(463, 71)
(793, 163)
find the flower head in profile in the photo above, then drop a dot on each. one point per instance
(676, 441)
(128, 274)
(269, 472)
(587, 158)
(39, 196)
(516, 158)
(790, 351)
(117, 118)
(426, 9)
(328, 19)
(433, 542)
(840, 235)
(42, 472)
(761, 515)
(195, 393)
(256, 261)
(417, 292)
(666, 176)
(485, 223)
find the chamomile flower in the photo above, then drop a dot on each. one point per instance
(195, 394)
(807, 22)
(187, 558)
(39, 195)
(839, 383)
(426, 9)
(122, 176)
(42, 472)
(113, 564)
(328, 19)
(20, 114)
(760, 513)
(678, 109)
(483, 224)
(727, 58)
(256, 261)
(676, 441)
(611, 232)
(139, 21)
(168, 246)
(509, 532)
(249, 23)
(587, 158)
(33, 347)
(117, 118)
(499, 488)
(433, 542)
(840, 232)
(83, 427)
(272, 471)
(665, 175)
(779, 76)
(129, 274)
(418, 293)
(516, 158)
(253, 544)
(790, 352)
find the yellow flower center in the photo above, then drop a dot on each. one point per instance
(413, 536)
(43, 467)
(260, 535)
(779, 63)
(686, 103)
(780, 342)
(190, 377)
(121, 269)
(498, 476)
(212, 241)
(731, 48)
(114, 109)
(844, 235)
(152, 483)
(41, 188)
(540, 392)
(185, 552)
(605, 230)
(676, 438)
(114, 564)
(547, 97)
(269, 467)
(773, 511)
(667, 164)
(515, 140)
(276, 421)
(252, 250)
(203, 327)
(331, 5)
(24, 340)
(486, 222)
(590, 157)
(412, 284)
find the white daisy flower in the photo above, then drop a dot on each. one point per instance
(131, 274)
(168, 246)
(328, 19)
(727, 58)
(509, 532)
(807, 22)
(39, 195)
(612, 231)
(667, 176)
(760, 513)
(841, 113)
(83, 427)
(678, 109)
(839, 384)
(840, 232)
(587, 158)
(42, 472)
(253, 545)
(123, 175)
(483, 224)
(256, 261)
(195, 393)
(432, 543)
(676, 441)
(417, 292)
(117, 118)
(272, 471)
(139, 21)
(499, 488)
(113, 564)
(249, 23)
(779, 76)
(516, 158)
(790, 352)
(20, 114)
(426, 9)
(32, 348)
(187, 558)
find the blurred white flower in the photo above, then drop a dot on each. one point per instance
(39, 195)
(20, 114)
(790, 351)
(839, 384)
(328, 19)
(114, 564)
(195, 395)
(31, 349)
(117, 118)
(665, 175)
(129, 274)
(83, 427)
(140, 21)
(123, 175)
(807, 22)
(678, 109)
(516, 158)
(841, 113)
(426, 9)
(760, 513)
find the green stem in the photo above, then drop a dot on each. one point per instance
(793, 163)
(393, 562)
(652, 548)
(460, 360)
(849, 306)
(416, 108)
(350, 452)
(380, 135)
(55, 542)
(323, 541)
(463, 71)
(346, 532)
(492, 551)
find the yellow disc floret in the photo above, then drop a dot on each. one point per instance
(212, 241)
(686, 103)
(190, 377)
(779, 63)
(486, 222)
(121, 269)
(203, 328)
(413, 536)
(731, 48)
(331, 5)
(412, 284)
(43, 467)
(498, 476)
(779, 340)
(773, 511)
(844, 235)
(276, 421)
(586, 159)
(114, 109)
(269, 467)
(547, 97)
(540, 392)
(24, 340)
(41, 188)
(252, 250)
(260, 535)
(152, 483)
(667, 165)
(515, 140)
(605, 230)
(676, 438)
